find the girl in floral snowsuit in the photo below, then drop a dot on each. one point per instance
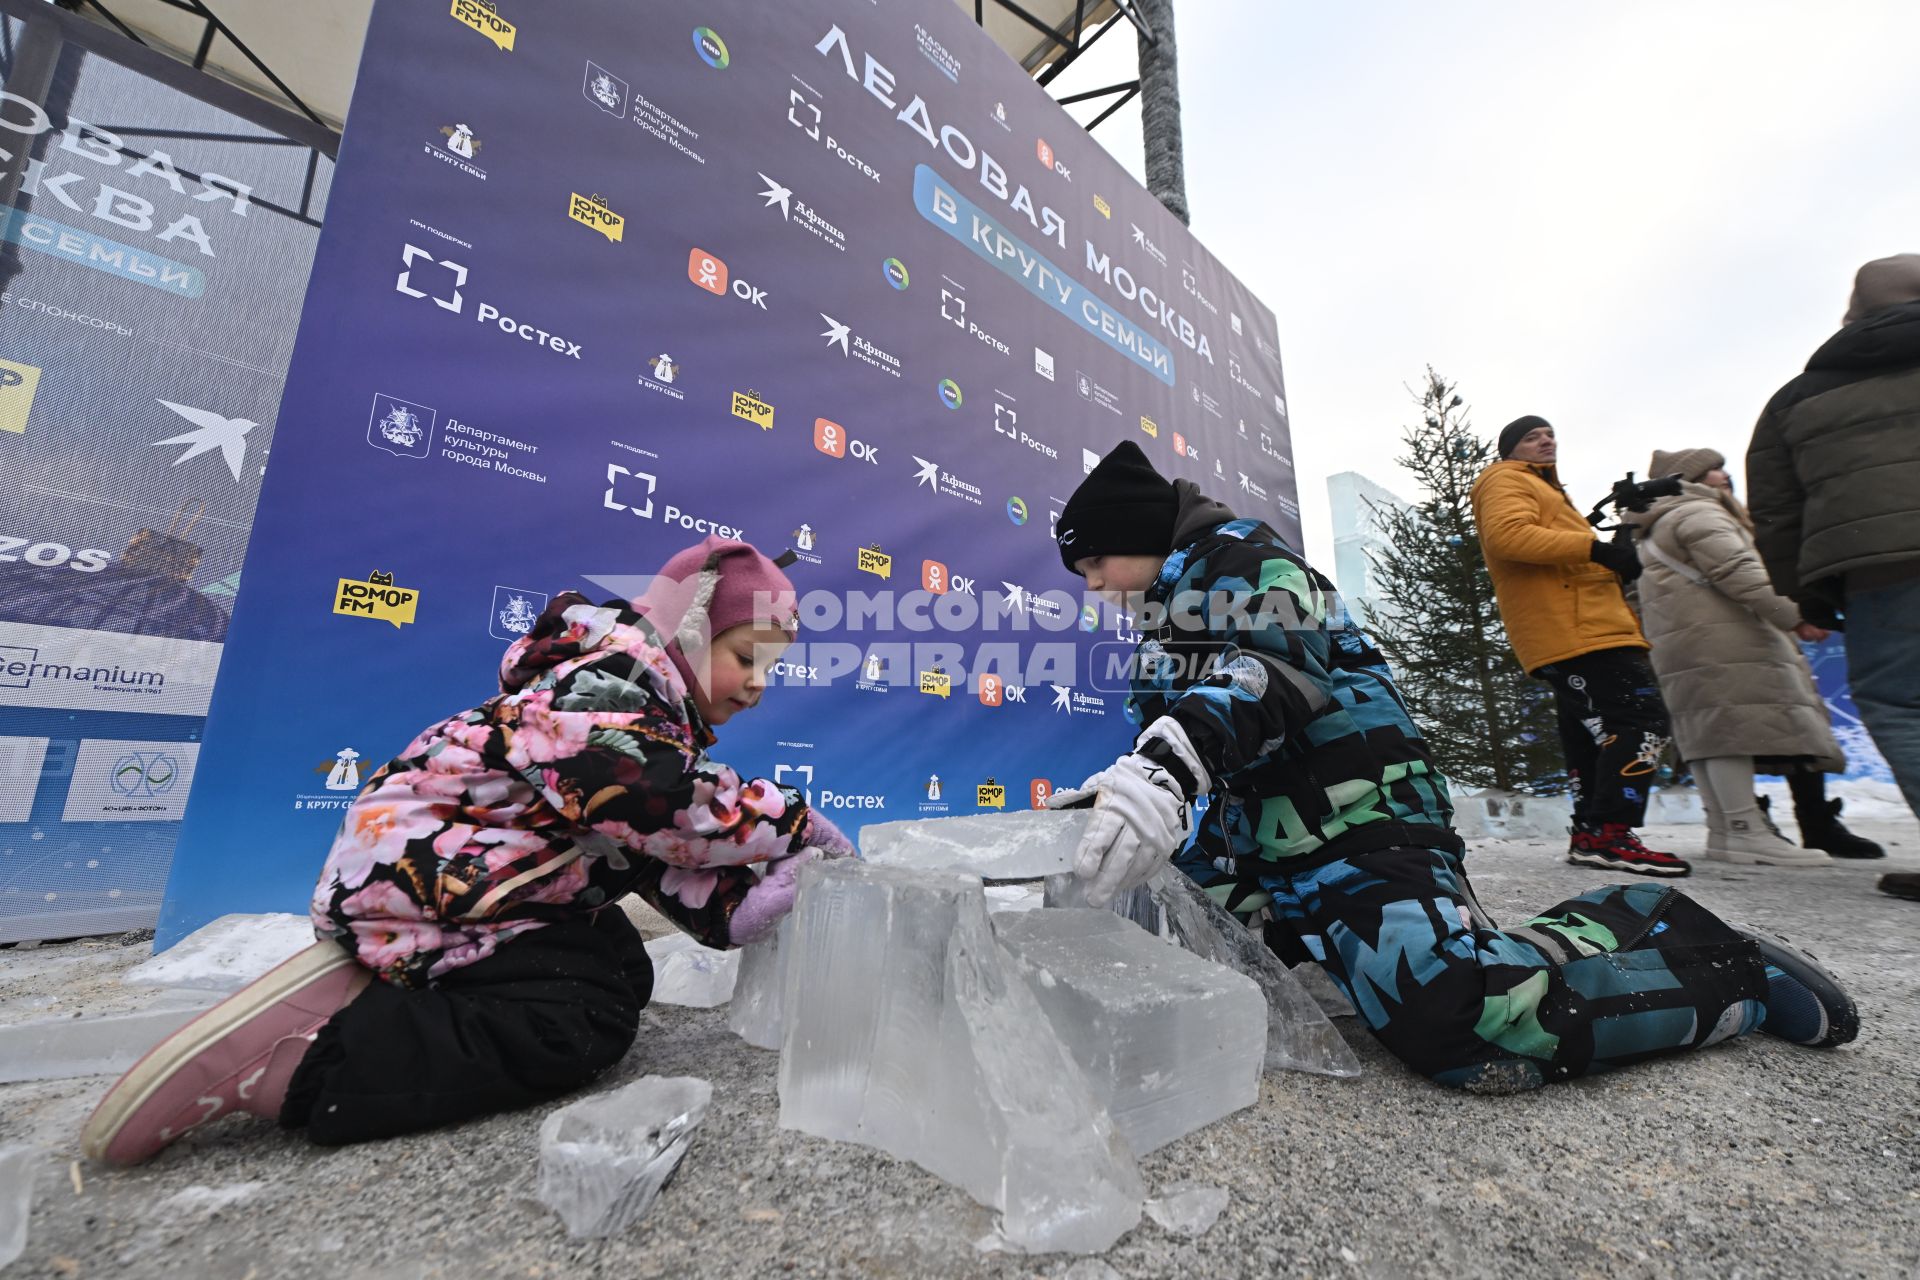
(475, 874)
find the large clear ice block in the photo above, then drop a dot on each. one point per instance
(754, 1015)
(1170, 1042)
(1299, 1037)
(1026, 845)
(906, 1030)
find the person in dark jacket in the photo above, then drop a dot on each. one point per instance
(1833, 483)
(1329, 827)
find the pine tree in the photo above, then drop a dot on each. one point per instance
(1487, 723)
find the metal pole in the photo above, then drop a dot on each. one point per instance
(1160, 106)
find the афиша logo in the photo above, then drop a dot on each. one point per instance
(711, 48)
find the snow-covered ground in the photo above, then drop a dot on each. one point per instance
(1754, 1158)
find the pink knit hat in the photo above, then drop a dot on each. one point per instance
(716, 584)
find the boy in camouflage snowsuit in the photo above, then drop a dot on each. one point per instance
(1329, 825)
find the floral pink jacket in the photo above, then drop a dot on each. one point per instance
(586, 779)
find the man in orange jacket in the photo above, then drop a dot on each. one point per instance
(1559, 592)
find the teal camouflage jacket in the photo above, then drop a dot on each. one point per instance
(1291, 707)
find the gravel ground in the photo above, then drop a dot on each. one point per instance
(1754, 1158)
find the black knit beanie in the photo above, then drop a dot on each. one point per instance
(1123, 507)
(1516, 431)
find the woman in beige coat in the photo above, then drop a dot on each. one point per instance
(1732, 676)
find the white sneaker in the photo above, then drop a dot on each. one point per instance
(1745, 841)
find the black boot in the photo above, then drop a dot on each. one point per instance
(1819, 819)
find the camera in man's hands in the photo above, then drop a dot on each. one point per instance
(1633, 495)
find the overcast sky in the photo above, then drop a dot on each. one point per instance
(1636, 219)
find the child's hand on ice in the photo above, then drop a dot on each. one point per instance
(821, 834)
(769, 901)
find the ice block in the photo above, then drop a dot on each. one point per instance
(107, 1044)
(18, 1165)
(686, 973)
(1169, 1041)
(227, 954)
(604, 1159)
(755, 1013)
(906, 1030)
(1026, 845)
(1299, 1037)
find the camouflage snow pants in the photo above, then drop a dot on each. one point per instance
(1613, 976)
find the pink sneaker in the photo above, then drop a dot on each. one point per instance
(237, 1056)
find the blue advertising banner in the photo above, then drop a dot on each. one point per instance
(598, 281)
(155, 233)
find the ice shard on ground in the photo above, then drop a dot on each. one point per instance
(106, 1044)
(1187, 1208)
(226, 954)
(604, 1159)
(686, 973)
(18, 1165)
(1026, 845)
(1169, 1041)
(1299, 1037)
(906, 1030)
(754, 1015)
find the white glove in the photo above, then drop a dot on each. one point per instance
(1139, 818)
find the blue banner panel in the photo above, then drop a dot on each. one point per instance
(153, 253)
(598, 280)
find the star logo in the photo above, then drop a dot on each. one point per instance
(777, 194)
(836, 334)
(1063, 699)
(928, 474)
(211, 431)
(1016, 597)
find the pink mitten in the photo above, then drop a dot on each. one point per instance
(769, 901)
(821, 834)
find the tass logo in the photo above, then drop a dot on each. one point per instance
(950, 393)
(710, 273)
(831, 438)
(895, 272)
(711, 48)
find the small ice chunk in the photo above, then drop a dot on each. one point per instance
(906, 1030)
(1170, 1042)
(61, 1048)
(1299, 1037)
(1136, 904)
(1025, 845)
(198, 1201)
(1187, 1208)
(755, 1013)
(18, 1167)
(686, 973)
(604, 1159)
(1014, 897)
(227, 954)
